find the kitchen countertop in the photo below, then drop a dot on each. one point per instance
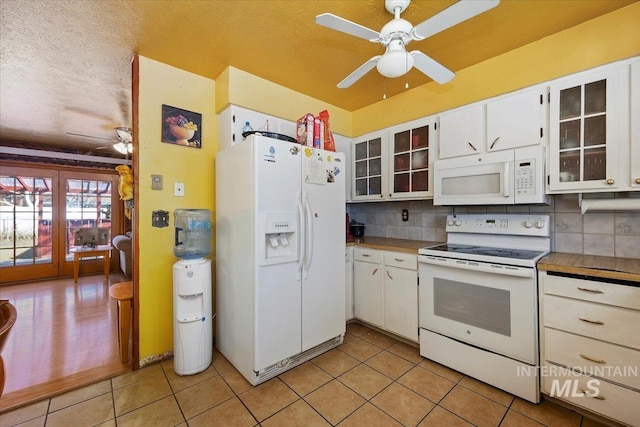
(591, 265)
(389, 244)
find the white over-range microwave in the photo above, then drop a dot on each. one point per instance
(498, 178)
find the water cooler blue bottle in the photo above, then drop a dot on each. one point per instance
(192, 301)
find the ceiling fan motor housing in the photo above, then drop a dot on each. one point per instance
(397, 29)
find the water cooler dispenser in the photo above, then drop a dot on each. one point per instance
(192, 311)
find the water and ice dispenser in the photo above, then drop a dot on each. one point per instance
(192, 301)
(280, 243)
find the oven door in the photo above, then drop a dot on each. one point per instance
(490, 306)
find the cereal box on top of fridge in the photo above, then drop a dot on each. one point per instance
(304, 130)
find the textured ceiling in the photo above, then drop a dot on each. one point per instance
(66, 64)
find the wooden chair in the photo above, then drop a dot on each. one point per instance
(123, 293)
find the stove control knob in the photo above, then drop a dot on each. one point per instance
(528, 224)
(458, 222)
(539, 224)
(450, 222)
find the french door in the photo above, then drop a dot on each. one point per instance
(40, 212)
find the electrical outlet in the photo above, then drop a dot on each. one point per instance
(178, 189)
(405, 215)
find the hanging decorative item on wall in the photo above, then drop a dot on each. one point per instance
(181, 127)
(125, 188)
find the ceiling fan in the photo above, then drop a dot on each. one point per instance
(123, 144)
(398, 33)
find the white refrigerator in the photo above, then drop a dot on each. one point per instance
(280, 227)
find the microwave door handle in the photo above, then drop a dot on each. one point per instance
(506, 188)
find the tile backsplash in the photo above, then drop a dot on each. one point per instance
(611, 233)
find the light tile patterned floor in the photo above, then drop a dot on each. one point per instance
(370, 380)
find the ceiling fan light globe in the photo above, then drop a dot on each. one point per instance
(121, 148)
(395, 64)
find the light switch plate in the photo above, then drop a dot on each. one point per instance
(156, 182)
(178, 189)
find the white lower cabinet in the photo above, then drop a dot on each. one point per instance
(367, 285)
(590, 346)
(401, 301)
(386, 290)
(348, 281)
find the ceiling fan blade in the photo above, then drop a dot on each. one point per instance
(431, 67)
(340, 24)
(359, 72)
(89, 136)
(453, 15)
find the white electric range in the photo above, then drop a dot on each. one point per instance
(478, 299)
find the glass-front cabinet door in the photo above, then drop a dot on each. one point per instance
(411, 159)
(635, 125)
(587, 127)
(368, 166)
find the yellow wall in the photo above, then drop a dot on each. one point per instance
(602, 40)
(163, 84)
(246, 90)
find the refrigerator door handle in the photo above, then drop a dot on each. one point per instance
(301, 229)
(308, 253)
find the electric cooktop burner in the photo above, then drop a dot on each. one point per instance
(487, 251)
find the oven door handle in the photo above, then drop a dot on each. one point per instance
(478, 267)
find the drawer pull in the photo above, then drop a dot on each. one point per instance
(590, 394)
(600, 361)
(593, 291)
(366, 255)
(374, 272)
(593, 322)
(389, 274)
(399, 259)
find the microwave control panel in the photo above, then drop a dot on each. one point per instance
(526, 177)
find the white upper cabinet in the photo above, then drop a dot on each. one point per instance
(589, 131)
(369, 165)
(635, 125)
(411, 155)
(233, 118)
(462, 131)
(517, 119)
(509, 121)
(343, 145)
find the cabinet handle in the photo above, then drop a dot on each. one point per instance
(366, 255)
(399, 259)
(471, 145)
(600, 361)
(374, 272)
(494, 143)
(588, 394)
(388, 274)
(593, 322)
(611, 181)
(637, 180)
(593, 291)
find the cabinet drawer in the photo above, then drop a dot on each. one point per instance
(591, 290)
(401, 260)
(367, 255)
(596, 358)
(616, 402)
(606, 323)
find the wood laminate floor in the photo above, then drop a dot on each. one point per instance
(65, 336)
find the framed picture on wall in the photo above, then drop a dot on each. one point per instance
(181, 127)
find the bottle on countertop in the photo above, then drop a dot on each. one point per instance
(246, 128)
